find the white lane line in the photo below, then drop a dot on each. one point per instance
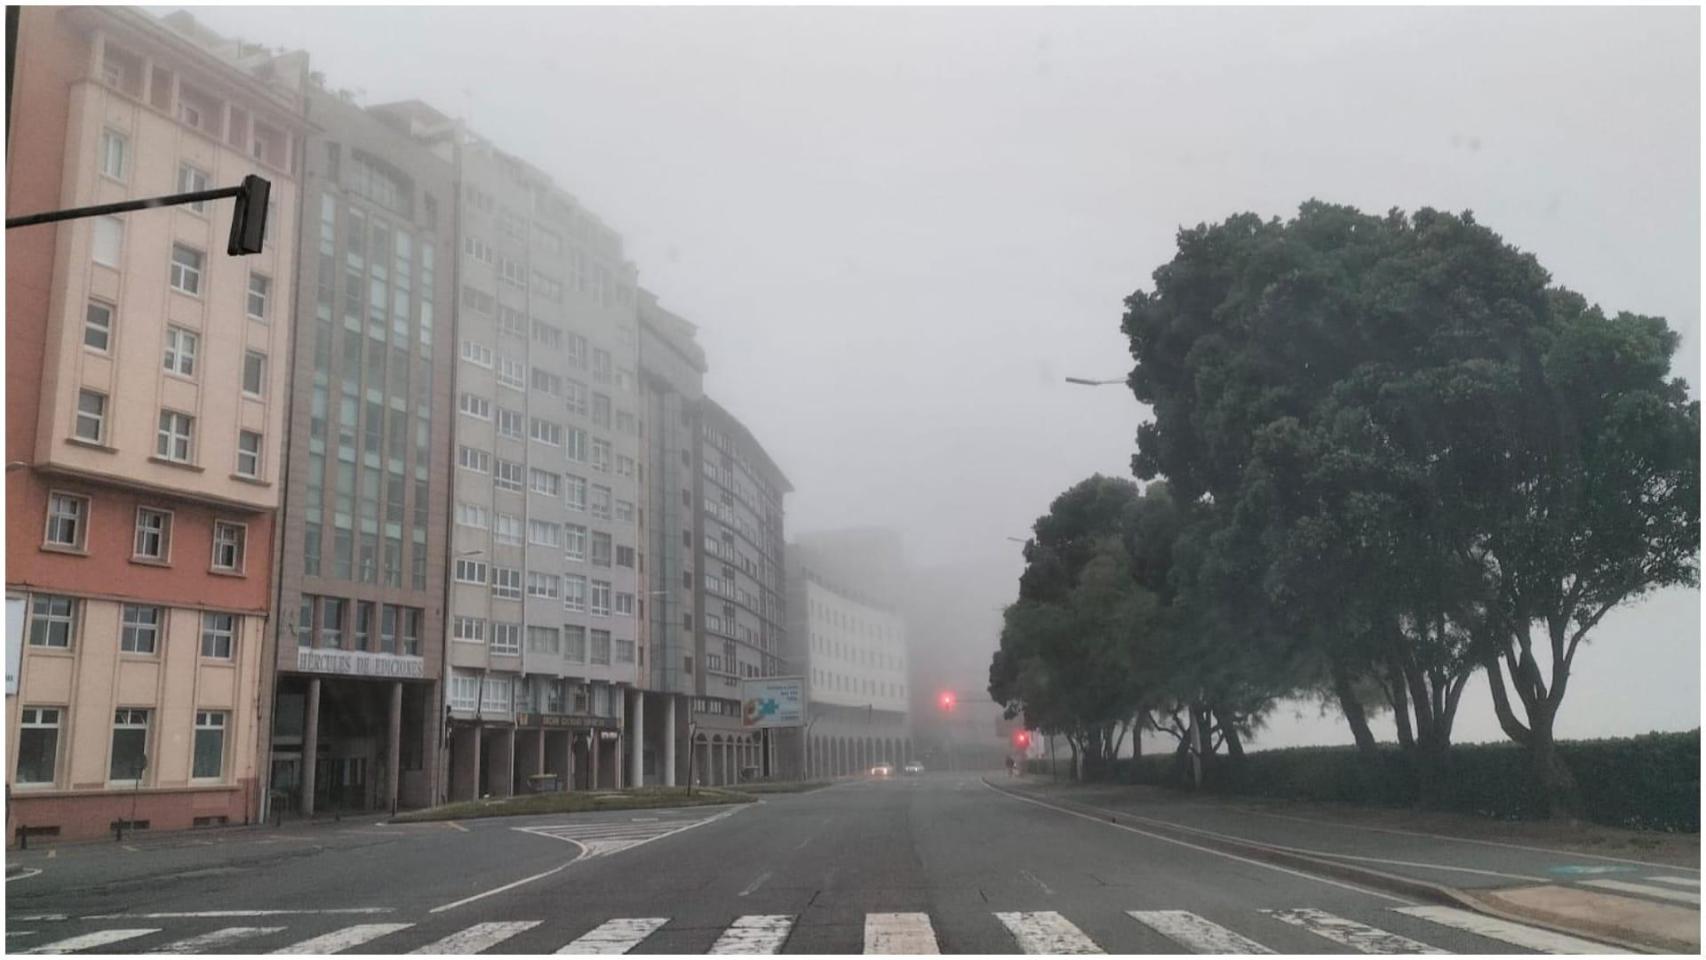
(1194, 933)
(20, 933)
(215, 942)
(908, 933)
(1358, 936)
(39, 917)
(223, 914)
(1679, 881)
(1533, 938)
(1201, 849)
(478, 937)
(88, 941)
(1047, 932)
(755, 884)
(1680, 896)
(339, 940)
(24, 874)
(615, 936)
(509, 886)
(759, 933)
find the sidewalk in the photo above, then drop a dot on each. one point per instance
(1554, 874)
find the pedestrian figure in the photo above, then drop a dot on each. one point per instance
(1010, 765)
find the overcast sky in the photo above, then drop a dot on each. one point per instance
(899, 229)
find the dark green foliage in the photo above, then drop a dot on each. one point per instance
(1649, 782)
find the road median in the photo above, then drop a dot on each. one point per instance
(576, 801)
(1533, 911)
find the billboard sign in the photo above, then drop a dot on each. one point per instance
(772, 702)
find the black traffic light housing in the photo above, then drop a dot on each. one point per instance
(249, 217)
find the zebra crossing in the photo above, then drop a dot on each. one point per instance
(1035, 932)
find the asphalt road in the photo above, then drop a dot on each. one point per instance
(936, 863)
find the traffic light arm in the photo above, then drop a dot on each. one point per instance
(248, 220)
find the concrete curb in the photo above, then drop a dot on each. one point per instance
(1378, 879)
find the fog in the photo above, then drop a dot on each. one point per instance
(898, 230)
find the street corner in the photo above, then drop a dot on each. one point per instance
(1629, 920)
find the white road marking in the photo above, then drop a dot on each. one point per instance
(40, 917)
(88, 941)
(24, 874)
(1533, 938)
(222, 914)
(760, 933)
(476, 938)
(1358, 936)
(339, 940)
(1028, 875)
(1194, 933)
(615, 936)
(20, 933)
(508, 886)
(1201, 849)
(1680, 896)
(1047, 932)
(215, 942)
(755, 884)
(1679, 881)
(908, 933)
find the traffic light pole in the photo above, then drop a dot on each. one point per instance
(125, 206)
(248, 218)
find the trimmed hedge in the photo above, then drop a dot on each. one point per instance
(1649, 782)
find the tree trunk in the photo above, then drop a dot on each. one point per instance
(1234, 744)
(1351, 707)
(1553, 788)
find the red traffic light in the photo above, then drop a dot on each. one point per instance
(1022, 739)
(945, 700)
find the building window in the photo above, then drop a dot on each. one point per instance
(130, 744)
(506, 638)
(510, 475)
(108, 242)
(254, 372)
(574, 593)
(472, 515)
(187, 265)
(601, 455)
(192, 180)
(625, 604)
(511, 373)
(507, 529)
(38, 745)
(544, 640)
(624, 651)
(601, 646)
(180, 354)
(546, 432)
(601, 502)
(91, 416)
(153, 534)
(544, 533)
(574, 542)
(625, 511)
(477, 353)
(574, 650)
(575, 492)
(506, 583)
(67, 519)
(260, 291)
(600, 549)
(468, 629)
(624, 556)
(139, 628)
(173, 440)
(475, 406)
(98, 325)
(228, 546)
(218, 635)
(248, 454)
(411, 631)
(115, 154)
(511, 424)
(209, 745)
(471, 571)
(470, 458)
(601, 598)
(544, 482)
(543, 585)
(52, 621)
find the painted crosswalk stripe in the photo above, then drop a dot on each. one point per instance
(91, 940)
(760, 933)
(1358, 936)
(1679, 881)
(1533, 938)
(215, 942)
(900, 933)
(1623, 886)
(343, 939)
(615, 936)
(1047, 932)
(478, 937)
(1195, 933)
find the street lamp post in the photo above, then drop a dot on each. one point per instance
(1084, 382)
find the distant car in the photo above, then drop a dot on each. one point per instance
(913, 769)
(882, 770)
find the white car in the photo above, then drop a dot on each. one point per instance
(882, 770)
(913, 769)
